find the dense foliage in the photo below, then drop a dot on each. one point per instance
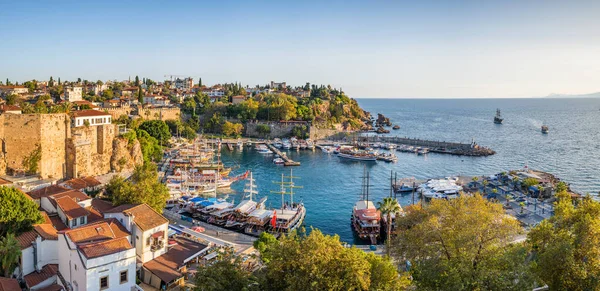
(566, 247)
(10, 252)
(462, 244)
(320, 262)
(157, 129)
(142, 187)
(225, 273)
(17, 212)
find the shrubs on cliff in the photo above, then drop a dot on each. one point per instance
(143, 187)
(157, 129)
(31, 162)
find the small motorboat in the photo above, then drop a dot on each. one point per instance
(544, 129)
(278, 161)
(396, 127)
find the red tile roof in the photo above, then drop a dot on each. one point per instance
(36, 278)
(47, 191)
(89, 112)
(165, 266)
(5, 108)
(145, 217)
(70, 208)
(101, 205)
(46, 231)
(89, 233)
(117, 228)
(26, 239)
(81, 183)
(103, 248)
(7, 284)
(58, 223)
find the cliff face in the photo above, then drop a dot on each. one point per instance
(125, 156)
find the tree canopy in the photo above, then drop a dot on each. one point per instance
(225, 273)
(566, 247)
(18, 212)
(143, 187)
(320, 262)
(10, 252)
(462, 244)
(157, 129)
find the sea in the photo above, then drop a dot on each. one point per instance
(331, 185)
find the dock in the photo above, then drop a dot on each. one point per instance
(287, 161)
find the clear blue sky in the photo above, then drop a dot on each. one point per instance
(369, 48)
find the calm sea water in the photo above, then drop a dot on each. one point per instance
(331, 186)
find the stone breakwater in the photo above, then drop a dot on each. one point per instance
(443, 147)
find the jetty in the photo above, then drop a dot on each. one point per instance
(442, 147)
(286, 161)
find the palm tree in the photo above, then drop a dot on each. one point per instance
(10, 252)
(485, 183)
(390, 205)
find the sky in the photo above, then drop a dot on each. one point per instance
(383, 49)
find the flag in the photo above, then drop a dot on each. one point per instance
(274, 219)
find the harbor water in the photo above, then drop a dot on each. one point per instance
(332, 185)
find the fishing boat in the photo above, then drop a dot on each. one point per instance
(327, 149)
(422, 151)
(365, 217)
(544, 129)
(286, 144)
(498, 118)
(390, 158)
(310, 144)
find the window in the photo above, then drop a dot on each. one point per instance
(74, 222)
(82, 220)
(104, 283)
(123, 277)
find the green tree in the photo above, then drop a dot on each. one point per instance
(10, 252)
(50, 83)
(462, 244)
(265, 242)
(151, 149)
(566, 247)
(320, 262)
(143, 187)
(12, 99)
(232, 129)
(199, 82)
(388, 207)
(226, 273)
(561, 187)
(18, 212)
(157, 129)
(137, 81)
(140, 94)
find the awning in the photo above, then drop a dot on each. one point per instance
(158, 234)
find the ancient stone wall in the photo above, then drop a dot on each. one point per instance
(90, 150)
(159, 113)
(23, 134)
(117, 112)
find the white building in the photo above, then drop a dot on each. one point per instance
(73, 93)
(97, 256)
(156, 100)
(10, 90)
(90, 117)
(184, 84)
(148, 229)
(214, 93)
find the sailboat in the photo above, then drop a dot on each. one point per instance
(392, 215)
(246, 207)
(365, 217)
(498, 118)
(291, 215)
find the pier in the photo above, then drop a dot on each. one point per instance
(442, 147)
(287, 161)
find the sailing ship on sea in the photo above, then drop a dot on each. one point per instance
(366, 219)
(498, 118)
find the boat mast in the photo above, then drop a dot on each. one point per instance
(367, 201)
